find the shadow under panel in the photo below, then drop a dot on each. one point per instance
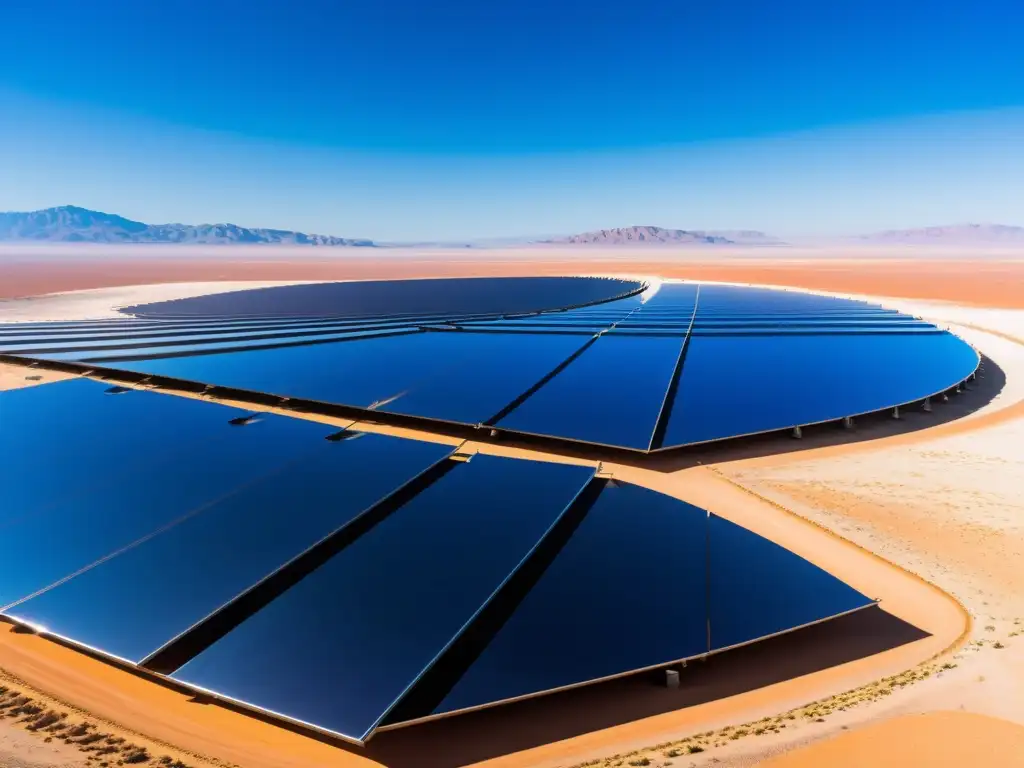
(39, 549)
(136, 602)
(451, 375)
(338, 649)
(740, 385)
(759, 588)
(69, 439)
(628, 591)
(610, 394)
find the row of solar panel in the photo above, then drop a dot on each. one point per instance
(258, 562)
(110, 347)
(381, 298)
(615, 389)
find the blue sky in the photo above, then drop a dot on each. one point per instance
(396, 119)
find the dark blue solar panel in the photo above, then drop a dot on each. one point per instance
(66, 440)
(737, 385)
(499, 295)
(641, 323)
(39, 548)
(458, 376)
(637, 560)
(338, 649)
(101, 344)
(138, 601)
(673, 296)
(114, 357)
(610, 394)
(906, 328)
(734, 298)
(123, 331)
(759, 588)
(544, 327)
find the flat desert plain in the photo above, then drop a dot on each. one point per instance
(926, 513)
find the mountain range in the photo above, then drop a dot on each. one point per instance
(660, 235)
(71, 224)
(959, 234)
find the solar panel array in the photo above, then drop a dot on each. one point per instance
(350, 580)
(681, 365)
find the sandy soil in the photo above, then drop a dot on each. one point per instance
(17, 377)
(19, 749)
(103, 303)
(918, 740)
(939, 503)
(994, 281)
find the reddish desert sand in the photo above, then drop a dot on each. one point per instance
(918, 740)
(994, 281)
(928, 520)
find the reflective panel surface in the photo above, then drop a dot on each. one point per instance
(739, 385)
(451, 375)
(758, 588)
(339, 648)
(39, 548)
(139, 600)
(610, 394)
(69, 440)
(456, 295)
(627, 591)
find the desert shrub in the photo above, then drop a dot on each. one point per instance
(136, 755)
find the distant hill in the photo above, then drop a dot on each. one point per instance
(70, 224)
(662, 236)
(744, 236)
(958, 234)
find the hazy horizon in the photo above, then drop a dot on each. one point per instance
(470, 122)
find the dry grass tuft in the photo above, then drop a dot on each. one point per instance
(103, 749)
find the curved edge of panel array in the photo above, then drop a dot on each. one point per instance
(436, 584)
(677, 365)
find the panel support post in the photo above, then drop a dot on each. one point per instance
(896, 412)
(798, 433)
(847, 422)
(945, 397)
(671, 678)
(927, 405)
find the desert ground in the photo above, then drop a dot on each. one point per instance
(926, 514)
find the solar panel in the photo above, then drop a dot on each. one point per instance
(129, 344)
(736, 298)
(758, 588)
(610, 394)
(456, 376)
(119, 331)
(339, 649)
(674, 296)
(208, 462)
(627, 591)
(68, 439)
(129, 353)
(136, 602)
(516, 294)
(738, 385)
